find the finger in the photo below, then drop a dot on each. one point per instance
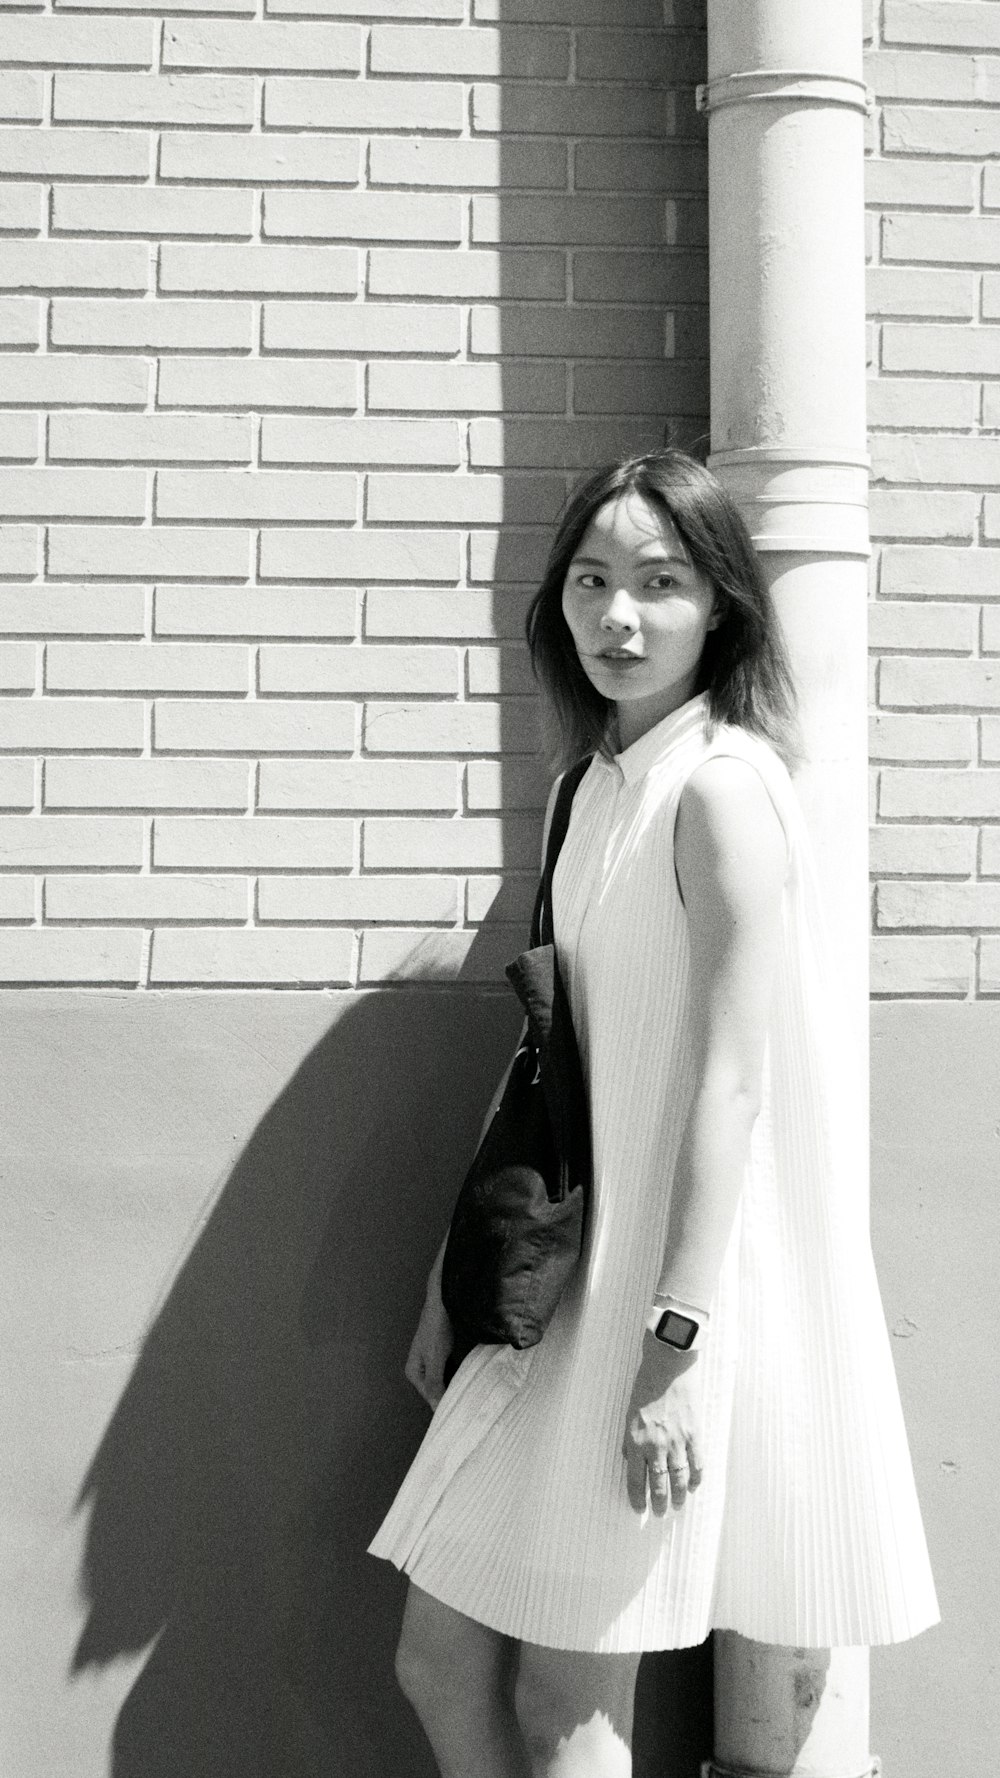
(680, 1476)
(695, 1466)
(635, 1480)
(659, 1487)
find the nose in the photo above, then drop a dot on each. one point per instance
(620, 614)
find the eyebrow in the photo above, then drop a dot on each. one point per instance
(653, 556)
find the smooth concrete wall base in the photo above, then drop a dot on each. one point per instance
(218, 1212)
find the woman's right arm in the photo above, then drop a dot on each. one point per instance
(431, 1346)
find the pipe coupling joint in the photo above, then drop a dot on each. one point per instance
(795, 86)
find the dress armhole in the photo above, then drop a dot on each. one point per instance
(724, 752)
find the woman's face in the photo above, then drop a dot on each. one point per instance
(638, 611)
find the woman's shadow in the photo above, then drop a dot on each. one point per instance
(267, 1422)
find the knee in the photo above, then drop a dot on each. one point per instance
(420, 1673)
(540, 1711)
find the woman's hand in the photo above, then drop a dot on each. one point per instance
(662, 1429)
(431, 1347)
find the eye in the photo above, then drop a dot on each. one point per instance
(663, 582)
(588, 580)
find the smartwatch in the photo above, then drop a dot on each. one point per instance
(680, 1325)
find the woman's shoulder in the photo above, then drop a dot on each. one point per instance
(735, 771)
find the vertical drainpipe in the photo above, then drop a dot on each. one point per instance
(786, 101)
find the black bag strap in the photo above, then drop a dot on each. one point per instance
(542, 931)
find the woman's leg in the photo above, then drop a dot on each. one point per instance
(575, 1712)
(459, 1677)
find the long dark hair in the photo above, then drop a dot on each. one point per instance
(744, 667)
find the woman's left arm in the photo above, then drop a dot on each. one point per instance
(731, 863)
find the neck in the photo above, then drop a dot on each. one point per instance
(636, 716)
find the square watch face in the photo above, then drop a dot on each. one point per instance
(677, 1330)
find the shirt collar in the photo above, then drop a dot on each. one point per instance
(654, 746)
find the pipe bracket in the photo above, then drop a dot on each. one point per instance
(709, 1769)
(799, 499)
(786, 86)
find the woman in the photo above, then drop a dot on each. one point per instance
(709, 1434)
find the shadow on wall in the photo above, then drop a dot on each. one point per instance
(267, 1423)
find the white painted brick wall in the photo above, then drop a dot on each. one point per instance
(305, 325)
(934, 410)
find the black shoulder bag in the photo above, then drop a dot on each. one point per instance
(517, 1227)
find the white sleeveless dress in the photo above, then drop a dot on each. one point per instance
(806, 1529)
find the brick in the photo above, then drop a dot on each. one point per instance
(262, 843)
(991, 852)
(963, 462)
(17, 791)
(67, 611)
(936, 516)
(509, 557)
(640, 166)
(17, 667)
(74, 154)
(138, 900)
(374, 9)
(525, 54)
(258, 726)
(417, 387)
(66, 957)
(900, 290)
(574, 444)
(991, 517)
(568, 333)
(169, 553)
(507, 784)
(508, 898)
(164, 6)
(953, 240)
(19, 549)
(151, 211)
(74, 725)
(68, 42)
(359, 555)
(19, 438)
(570, 12)
(363, 105)
(920, 684)
(641, 389)
(908, 403)
(256, 383)
(362, 216)
(492, 672)
(898, 74)
(989, 967)
(281, 611)
(432, 271)
(991, 630)
(568, 111)
(281, 956)
(67, 381)
(467, 165)
(149, 438)
(927, 184)
(264, 271)
(915, 624)
(72, 493)
(22, 209)
(43, 842)
(939, 740)
(259, 160)
(74, 265)
(462, 499)
(961, 350)
(253, 495)
(146, 784)
(362, 328)
(361, 442)
(991, 406)
(938, 794)
(358, 672)
(363, 900)
(924, 966)
(389, 954)
(146, 99)
(146, 666)
(940, 573)
(632, 278)
(938, 904)
(922, 851)
(17, 900)
(936, 130)
(481, 843)
(991, 187)
(459, 615)
(653, 57)
(358, 784)
(155, 326)
(570, 221)
(20, 321)
(21, 97)
(210, 43)
(451, 728)
(970, 24)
